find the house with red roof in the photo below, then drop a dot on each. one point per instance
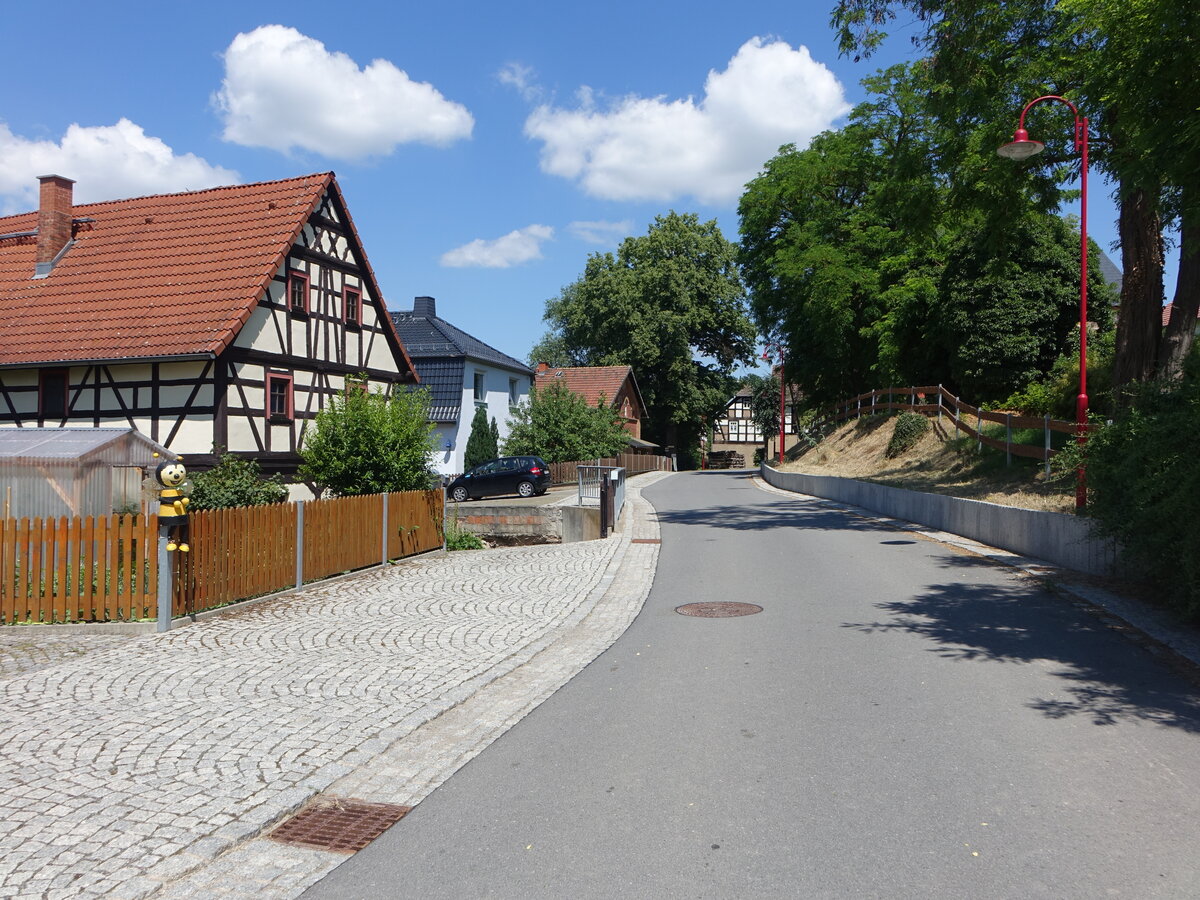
(612, 385)
(217, 318)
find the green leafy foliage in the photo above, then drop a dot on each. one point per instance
(559, 426)
(1055, 394)
(370, 443)
(1144, 485)
(481, 443)
(458, 538)
(670, 304)
(235, 481)
(910, 427)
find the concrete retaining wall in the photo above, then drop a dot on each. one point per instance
(1054, 537)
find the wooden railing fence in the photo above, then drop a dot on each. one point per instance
(936, 400)
(106, 569)
(632, 463)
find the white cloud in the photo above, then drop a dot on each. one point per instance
(283, 90)
(521, 77)
(652, 148)
(602, 233)
(107, 162)
(514, 248)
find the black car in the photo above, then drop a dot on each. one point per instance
(524, 475)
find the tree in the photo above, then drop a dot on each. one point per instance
(481, 443)
(235, 481)
(559, 426)
(860, 262)
(1129, 67)
(671, 305)
(370, 443)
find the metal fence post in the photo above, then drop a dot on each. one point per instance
(604, 523)
(383, 549)
(299, 544)
(1008, 438)
(1047, 443)
(166, 580)
(939, 404)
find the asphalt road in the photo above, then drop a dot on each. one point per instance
(901, 721)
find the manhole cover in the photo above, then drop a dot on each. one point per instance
(343, 826)
(718, 610)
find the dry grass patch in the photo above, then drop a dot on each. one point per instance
(938, 464)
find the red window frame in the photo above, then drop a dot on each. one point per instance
(43, 376)
(297, 282)
(289, 412)
(349, 319)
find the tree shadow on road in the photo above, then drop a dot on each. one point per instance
(1105, 676)
(784, 514)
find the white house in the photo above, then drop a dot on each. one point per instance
(461, 373)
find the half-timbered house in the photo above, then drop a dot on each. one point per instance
(216, 319)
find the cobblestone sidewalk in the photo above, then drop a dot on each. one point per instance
(150, 765)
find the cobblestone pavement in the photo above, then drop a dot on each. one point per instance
(150, 765)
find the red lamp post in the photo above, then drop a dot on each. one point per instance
(1023, 147)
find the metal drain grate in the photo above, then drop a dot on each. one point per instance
(342, 826)
(718, 610)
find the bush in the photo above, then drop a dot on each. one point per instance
(235, 481)
(370, 443)
(910, 427)
(1143, 478)
(559, 426)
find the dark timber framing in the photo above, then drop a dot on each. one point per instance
(203, 406)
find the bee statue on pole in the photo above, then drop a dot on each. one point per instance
(172, 505)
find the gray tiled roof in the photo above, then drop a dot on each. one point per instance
(431, 336)
(443, 378)
(439, 352)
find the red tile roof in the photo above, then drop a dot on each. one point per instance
(169, 275)
(590, 382)
(1166, 314)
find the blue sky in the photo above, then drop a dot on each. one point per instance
(484, 149)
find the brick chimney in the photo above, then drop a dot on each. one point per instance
(55, 215)
(425, 306)
(542, 367)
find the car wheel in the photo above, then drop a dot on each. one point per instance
(525, 489)
(459, 494)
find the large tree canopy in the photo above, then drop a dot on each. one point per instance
(1129, 66)
(670, 304)
(859, 258)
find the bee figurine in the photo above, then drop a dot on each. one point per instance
(172, 505)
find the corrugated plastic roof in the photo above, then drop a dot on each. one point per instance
(67, 443)
(168, 275)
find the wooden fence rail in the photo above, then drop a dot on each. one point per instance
(936, 400)
(100, 569)
(633, 463)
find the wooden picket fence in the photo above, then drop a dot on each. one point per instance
(934, 400)
(92, 569)
(106, 569)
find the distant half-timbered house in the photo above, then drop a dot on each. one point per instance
(221, 318)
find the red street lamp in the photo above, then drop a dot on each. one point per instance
(1023, 147)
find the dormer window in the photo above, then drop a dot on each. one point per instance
(352, 306)
(297, 292)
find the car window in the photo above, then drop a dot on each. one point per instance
(508, 465)
(485, 469)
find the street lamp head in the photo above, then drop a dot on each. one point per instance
(1021, 147)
